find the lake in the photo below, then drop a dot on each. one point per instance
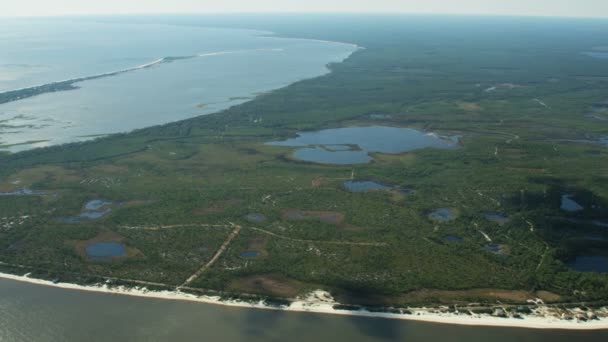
(105, 251)
(31, 313)
(442, 215)
(364, 186)
(320, 146)
(205, 70)
(93, 209)
(496, 217)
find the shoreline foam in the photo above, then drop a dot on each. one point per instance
(319, 302)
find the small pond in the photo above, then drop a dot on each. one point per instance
(568, 204)
(96, 204)
(585, 263)
(451, 238)
(331, 217)
(320, 146)
(250, 254)
(105, 251)
(92, 215)
(496, 217)
(255, 217)
(364, 186)
(21, 192)
(494, 248)
(600, 108)
(92, 210)
(442, 215)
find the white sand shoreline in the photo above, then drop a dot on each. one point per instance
(316, 303)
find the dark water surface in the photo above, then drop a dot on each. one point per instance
(319, 146)
(442, 215)
(496, 217)
(569, 204)
(40, 313)
(364, 186)
(590, 263)
(105, 251)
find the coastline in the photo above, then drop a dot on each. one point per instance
(319, 302)
(17, 94)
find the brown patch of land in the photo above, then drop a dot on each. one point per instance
(469, 106)
(475, 295)
(268, 284)
(110, 168)
(548, 297)
(26, 178)
(317, 182)
(404, 158)
(447, 297)
(256, 243)
(332, 217)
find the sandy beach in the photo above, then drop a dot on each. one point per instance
(322, 302)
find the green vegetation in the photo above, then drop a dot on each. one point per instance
(185, 186)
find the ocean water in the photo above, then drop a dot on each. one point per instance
(40, 313)
(205, 70)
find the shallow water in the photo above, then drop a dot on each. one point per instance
(371, 139)
(221, 68)
(250, 254)
(96, 204)
(40, 313)
(323, 216)
(600, 108)
(452, 238)
(442, 215)
(93, 209)
(364, 186)
(568, 204)
(255, 217)
(21, 192)
(497, 217)
(105, 251)
(589, 264)
(494, 248)
(92, 215)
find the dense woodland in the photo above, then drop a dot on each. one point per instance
(181, 188)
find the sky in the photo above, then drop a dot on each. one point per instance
(576, 8)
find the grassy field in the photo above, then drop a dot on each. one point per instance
(519, 92)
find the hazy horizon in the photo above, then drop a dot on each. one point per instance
(555, 8)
